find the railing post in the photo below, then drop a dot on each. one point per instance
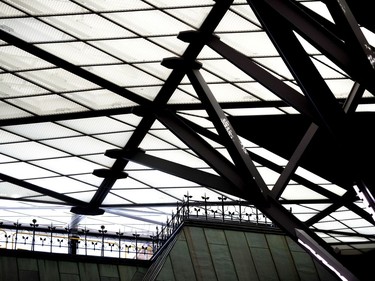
(119, 242)
(85, 231)
(102, 231)
(34, 225)
(188, 203)
(205, 198)
(136, 244)
(222, 198)
(51, 228)
(16, 237)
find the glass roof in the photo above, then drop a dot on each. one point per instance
(81, 78)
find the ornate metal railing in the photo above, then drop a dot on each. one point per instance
(53, 239)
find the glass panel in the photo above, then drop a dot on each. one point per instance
(230, 93)
(141, 50)
(128, 183)
(8, 11)
(150, 142)
(14, 191)
(99, 99)
(6, 159)
(170, 43)
(253, 111)
(8, 111)
(168, 137)
(232, 22)
(32, 30)
(119, 139)
(124, 75)
(100, 159)
(89, 179)
(300, 192)
(13, 86)
(50, 7)
(180, 157)
(62, 184)
(144, 196)
(30, 150)
(89, 26)
(147, 23)
(159, 179)
(325, 71)
(226, 70)
(130, 119)
(41, 131)
(79, 53)
(7, 137)
(320, 8)
(58, 80)
(96, 125)
(181, 3)
(67, 165)
(259, 91)
(80, 145)
(156, 69)
(179, 97)
(275, 66)
(192, 16)
(253, 44)
(147, 92)
(49, 104)
(22, 170)
(114, 5)
(13, 58)
(246, 11)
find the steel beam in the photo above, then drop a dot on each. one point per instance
(204, 150)
(42, 191)
(293, 162)
(175, 169)
(301, 67)
(255, 185)
(79, 71)
(192, 51)
(289, 95)
(352, 34)
(331, 45)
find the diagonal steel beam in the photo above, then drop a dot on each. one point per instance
(192, 51)
(349, 108)
(352, 34)
(265, 78)
(293, 162)
(255, 185)
(316, 91)
(172, 168)
(59, 62)
(302, 68)
(41, 190)
(331, 45)
(204, 150)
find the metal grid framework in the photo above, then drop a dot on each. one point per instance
(112, 111)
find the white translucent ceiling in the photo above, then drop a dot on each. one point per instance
(124, 43)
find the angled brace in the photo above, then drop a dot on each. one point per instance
(176, 169)
(256, 187)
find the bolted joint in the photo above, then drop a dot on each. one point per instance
(190, 36)
(105, 173)
(142, 111)
(87, 211)
(180, 63)
(123, 153)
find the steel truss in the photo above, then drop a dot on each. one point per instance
(342, 42)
